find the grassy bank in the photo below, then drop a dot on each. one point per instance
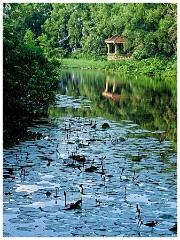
(151, 66)
(83, 63)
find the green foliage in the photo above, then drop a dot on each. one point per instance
(29, 38)
(83, 63)
(29, 78)
(79, 31)
(36, 32)
(150, 66)
(150, 28)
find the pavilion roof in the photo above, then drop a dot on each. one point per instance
(115, 39)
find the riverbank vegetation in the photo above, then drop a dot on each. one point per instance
(151, 66)
(29, 77)
(37, 37)
(79, 31)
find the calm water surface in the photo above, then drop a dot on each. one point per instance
(124, 128)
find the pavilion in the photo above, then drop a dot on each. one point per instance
(115, 47)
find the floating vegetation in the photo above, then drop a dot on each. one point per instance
(117, 180)
(105, 125)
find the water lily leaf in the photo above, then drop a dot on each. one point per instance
(105, 125)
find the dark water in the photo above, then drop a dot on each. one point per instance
(123, 126)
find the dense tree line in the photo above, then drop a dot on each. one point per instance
(35, 34)
(151, 28)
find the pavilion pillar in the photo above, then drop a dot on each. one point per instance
(106, 90)
(114, 86)
(108, 47)
(116, 48)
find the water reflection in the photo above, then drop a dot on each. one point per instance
(114, 94)
(147, 101)
(117, 163)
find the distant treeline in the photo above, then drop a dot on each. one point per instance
(150, 28)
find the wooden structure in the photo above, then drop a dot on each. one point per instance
(115, 47)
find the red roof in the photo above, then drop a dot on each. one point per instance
(115, 39)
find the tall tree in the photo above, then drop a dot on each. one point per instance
(147, 29)
(28, 77)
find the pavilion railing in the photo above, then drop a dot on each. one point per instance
(115, 56)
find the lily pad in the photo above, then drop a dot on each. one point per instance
(105, 125)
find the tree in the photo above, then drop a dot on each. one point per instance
(147, 30)
(29, 78)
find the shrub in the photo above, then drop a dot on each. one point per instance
(29, 80)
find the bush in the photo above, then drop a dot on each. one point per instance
(149, 66)
(29, 80)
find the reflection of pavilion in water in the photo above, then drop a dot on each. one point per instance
(112, 93)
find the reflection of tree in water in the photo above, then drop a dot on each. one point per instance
(63, 83)
(147, 101)
(69, 84)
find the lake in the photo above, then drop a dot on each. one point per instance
(109, 147)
